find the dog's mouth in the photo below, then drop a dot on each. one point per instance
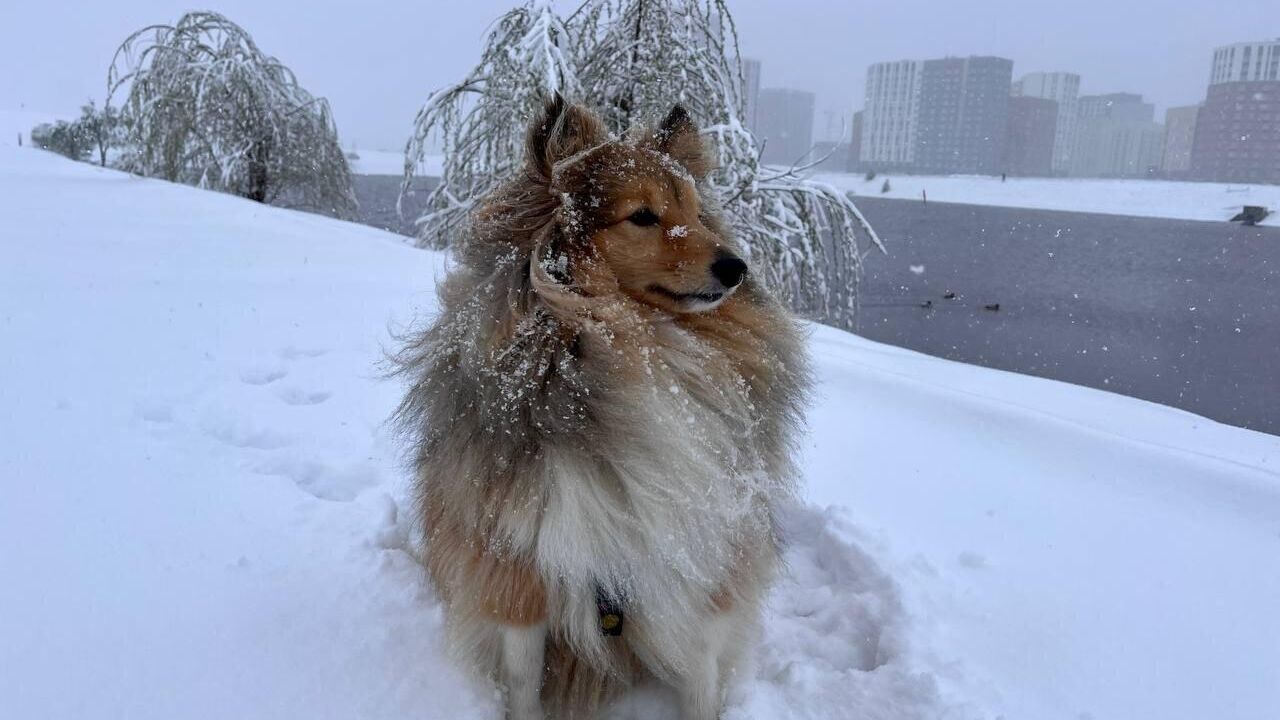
(694, 301)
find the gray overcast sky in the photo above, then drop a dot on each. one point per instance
(377, 61)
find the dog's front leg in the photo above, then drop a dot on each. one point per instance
(726, 635)
(522, 669)
(700, 695)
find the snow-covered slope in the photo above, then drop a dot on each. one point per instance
(1145, 198)
(203, 510)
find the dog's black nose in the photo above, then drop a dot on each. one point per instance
(729, 270)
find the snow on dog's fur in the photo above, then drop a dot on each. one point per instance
(604, 411)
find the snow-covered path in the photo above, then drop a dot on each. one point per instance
(201, 512)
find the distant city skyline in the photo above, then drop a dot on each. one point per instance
(378, 63)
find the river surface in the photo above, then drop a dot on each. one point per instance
(1178, 312)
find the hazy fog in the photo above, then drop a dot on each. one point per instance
(377, 61)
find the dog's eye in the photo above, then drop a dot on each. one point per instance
(644, 217)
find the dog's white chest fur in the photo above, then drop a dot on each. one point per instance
(655, 516)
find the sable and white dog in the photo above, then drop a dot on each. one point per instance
(603, 417)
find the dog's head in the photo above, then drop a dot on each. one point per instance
(630, 218)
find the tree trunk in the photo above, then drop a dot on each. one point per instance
(258, 171)
(628, 103)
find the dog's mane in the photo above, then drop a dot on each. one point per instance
(522, 356)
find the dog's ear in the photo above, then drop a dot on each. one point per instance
(560, 131)
(677, 136)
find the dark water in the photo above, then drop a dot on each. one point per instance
(1181, 313)
(1177, 312)
(377, 197)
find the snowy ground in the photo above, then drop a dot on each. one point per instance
(203, 505)
(1144, 198)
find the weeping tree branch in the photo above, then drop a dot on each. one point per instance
(205, 106)
(633, 59)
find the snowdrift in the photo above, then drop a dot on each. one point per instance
(204, 511)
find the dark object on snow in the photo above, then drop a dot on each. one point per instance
(1251, 215)
(993, 307)
(885, 187)
(948, 295)
(926, 304)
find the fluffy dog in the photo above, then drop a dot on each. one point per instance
(603, 418)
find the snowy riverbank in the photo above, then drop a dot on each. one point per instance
(205, 515)
(1144, 198)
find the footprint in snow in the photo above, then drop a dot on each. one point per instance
(833, 603)
(833, 638)
(244, 435)
(322, 480)
(298, 396)
(154, 412)
(294, 353)
(264, 375)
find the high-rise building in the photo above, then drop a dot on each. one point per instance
(750, 91)
(964, 112)
(1116, 106)
(892, 105)
(1237, 133)
(1245, 62)
(1029, 139)
(784, 122)
(855, 141)
(1179, 133)
(1063, 88)
(1117, 137)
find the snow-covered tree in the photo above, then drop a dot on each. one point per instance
(632, 60)
(206, 107)
(102, 128)
(94, 131)
(64, 138)
(479, 121)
